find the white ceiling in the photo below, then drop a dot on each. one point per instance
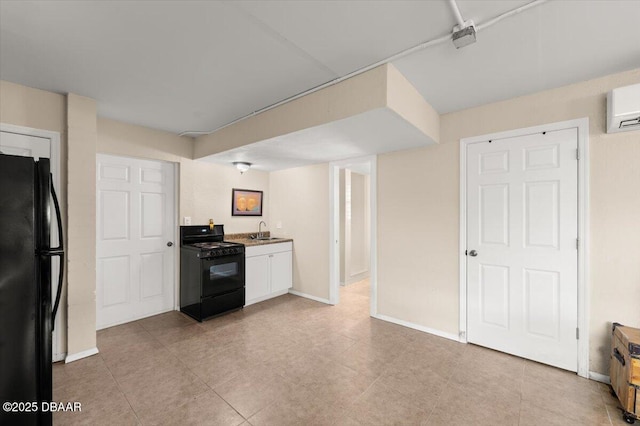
(197, 65)
(552, 45)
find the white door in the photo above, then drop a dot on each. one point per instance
(135, 236)
(522, 258)
(27, 145)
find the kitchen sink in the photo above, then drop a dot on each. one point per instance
(267, 238)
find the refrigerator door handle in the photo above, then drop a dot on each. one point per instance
(60, 249)
(57, 251)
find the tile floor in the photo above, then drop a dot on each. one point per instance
(292, 361)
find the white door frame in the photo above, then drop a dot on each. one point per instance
(58, 354)
(334, 229)
(176, 235)
(582, 125)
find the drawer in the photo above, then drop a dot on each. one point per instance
(635, 372)
(216, 305)
(251, 251)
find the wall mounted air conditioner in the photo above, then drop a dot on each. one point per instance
(623, 109)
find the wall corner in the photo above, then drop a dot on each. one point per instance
(81, 216)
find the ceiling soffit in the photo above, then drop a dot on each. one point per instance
(374, 112)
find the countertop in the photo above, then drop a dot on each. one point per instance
(248, 242)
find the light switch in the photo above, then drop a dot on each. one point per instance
(279, 225)
(186, 221)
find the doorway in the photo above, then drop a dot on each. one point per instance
(355, 223)
(523, 243)
(352, 223)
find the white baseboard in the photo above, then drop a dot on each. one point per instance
(135, 318)
(267, 297)
(308, 296)
(80, 355)
(357, 277)
(602, 378)
(408, 324)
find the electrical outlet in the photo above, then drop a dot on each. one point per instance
(279, 225)
(186, 221)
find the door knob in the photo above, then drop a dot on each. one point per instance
(473, 253)
(169, 244)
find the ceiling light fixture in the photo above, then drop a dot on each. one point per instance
(243, 166)
(464, 33)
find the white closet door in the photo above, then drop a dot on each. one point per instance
(135, 247)
(522, 228)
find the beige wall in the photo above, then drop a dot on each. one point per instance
(117, 138)
(300, 200)
(38, 109)
(418, 237)
(355, 231)
(81, 213)
(405, 100)
(28, 107)
(204, 188)
(207, 194)
(421, 284)
(359, 225)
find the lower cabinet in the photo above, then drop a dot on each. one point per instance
(268, 271)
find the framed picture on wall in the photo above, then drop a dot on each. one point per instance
(246, 202)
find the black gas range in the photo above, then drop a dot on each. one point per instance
(211, 272)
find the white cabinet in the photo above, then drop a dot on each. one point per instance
(268, 271)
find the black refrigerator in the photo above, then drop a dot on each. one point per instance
(27, 198)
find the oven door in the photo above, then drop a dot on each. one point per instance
(222, 274)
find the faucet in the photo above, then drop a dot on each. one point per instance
(260, 228)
